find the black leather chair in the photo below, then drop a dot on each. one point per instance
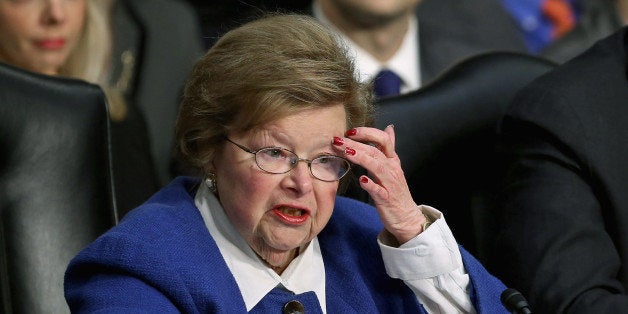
(55, 184)
(445, 137)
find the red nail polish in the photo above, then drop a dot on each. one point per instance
(349, 151)
(351, 132)
(364, 179)
(338, 141)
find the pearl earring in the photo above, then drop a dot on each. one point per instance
(210, 181)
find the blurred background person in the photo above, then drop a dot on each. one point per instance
(563, 239)
(382, 37)
(53, 37)
(77, 39)
(404, 44)
(74, 39)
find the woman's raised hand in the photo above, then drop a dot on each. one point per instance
(374, 150)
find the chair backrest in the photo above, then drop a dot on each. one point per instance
(55, 184)
(445, 137)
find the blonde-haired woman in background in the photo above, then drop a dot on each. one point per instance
(75, 39)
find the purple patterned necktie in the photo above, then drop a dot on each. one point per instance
(387, 83)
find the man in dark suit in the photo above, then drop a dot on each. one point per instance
(381, 36)
(564, 226)
(446, 31)
(418, 39)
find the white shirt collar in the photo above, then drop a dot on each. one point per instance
(405, 62)
(255, 280)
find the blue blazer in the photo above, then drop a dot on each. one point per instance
(161, 258)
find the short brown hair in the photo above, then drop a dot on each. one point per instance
(261, 71)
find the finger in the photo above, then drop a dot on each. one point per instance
(390, 130)
(377, 192)
(381, 167)
(383, 171)
(378, 138)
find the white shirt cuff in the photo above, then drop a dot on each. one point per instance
(432, 253)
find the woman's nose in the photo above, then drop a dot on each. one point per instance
(54, 11)
(300, 178)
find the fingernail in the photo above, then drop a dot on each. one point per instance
(391, 125)
(349, 151)
(364, 179)
(338, 141)
(351, 132)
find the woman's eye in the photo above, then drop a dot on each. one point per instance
(274, 153)
(324, 159)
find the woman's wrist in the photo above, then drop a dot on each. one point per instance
(413, 226)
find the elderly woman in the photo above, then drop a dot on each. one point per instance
(273, 118)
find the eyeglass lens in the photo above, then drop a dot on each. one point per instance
(279, 160)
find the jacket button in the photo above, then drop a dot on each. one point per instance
(293, 307)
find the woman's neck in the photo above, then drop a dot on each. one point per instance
(279, 267)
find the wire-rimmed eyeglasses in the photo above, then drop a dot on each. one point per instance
(277, 160)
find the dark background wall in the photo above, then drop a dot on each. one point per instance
(218, 16)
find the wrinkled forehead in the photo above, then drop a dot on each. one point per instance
(317, 124)
(281, 116)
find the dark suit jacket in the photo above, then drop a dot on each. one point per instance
(564, 234)
(165, 38)
(451, 30)
(156, 43)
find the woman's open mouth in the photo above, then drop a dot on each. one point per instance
(291, 215)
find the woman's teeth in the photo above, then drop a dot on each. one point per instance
(291, 211)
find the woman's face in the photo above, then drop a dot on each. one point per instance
(39, 35)
(276, 213)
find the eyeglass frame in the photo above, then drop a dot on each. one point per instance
(295, 163)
